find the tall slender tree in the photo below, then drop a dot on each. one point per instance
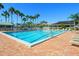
(30, 18)
(11, 11)
(37, 15)
(24, 20)
(1, 7)
(75, 18)
(17, 12)
(33, 18)
(27, 17)
(6, 15)
(21, 15)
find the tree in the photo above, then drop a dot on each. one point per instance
(75, 17)
(21, 15)
(6, 15)
(30, 17)
(43, 22)
(29, 24)
(17, 12)
(36, 17)
(24, 20)
(27, 17)
(62, 25)
(11, 11)
(33, 18)
(1, 6)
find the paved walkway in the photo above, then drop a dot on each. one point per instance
(59, 46)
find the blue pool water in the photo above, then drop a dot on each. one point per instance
(35, 36)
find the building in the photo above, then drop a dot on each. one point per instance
(4, 26)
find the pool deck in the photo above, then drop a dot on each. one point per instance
(57, 46)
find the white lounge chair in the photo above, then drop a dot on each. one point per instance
(75, 40)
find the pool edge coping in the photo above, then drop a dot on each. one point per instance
(27, 43)
(14, 38)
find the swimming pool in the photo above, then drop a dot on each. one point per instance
(34, 37)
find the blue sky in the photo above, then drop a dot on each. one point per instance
(51, 12)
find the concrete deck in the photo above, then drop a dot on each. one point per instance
(57, 46)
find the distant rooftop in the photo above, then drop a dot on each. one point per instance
(65, 22)
(6, 23)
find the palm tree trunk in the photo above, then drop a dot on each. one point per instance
(17, 19)
(34, 23)
(0, 18)
(5, 19)
(74, 25)
(11, 18)
(8, 19)
(17, 22)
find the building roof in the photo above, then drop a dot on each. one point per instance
(65, 22)
(6, 24)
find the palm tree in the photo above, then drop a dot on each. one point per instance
(3, 15)
(1, 7)
(30, 17)
(6, 15)
(75, 17)
(33, 18)
(24, 20)
(17, 12)
(32, 21)
(11, 11)
(29, 24)
(36, 16)
(27, 17)
(21, 16)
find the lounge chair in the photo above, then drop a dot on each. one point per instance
(75, 40)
